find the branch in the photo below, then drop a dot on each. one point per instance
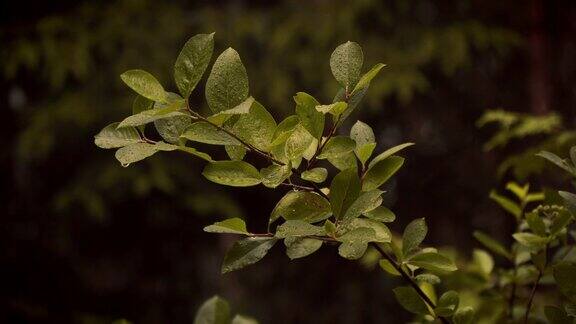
(249, 146)
(409, 279)
(315, 237)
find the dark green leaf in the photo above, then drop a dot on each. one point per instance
(274, 175)
(557, 315)
(561, 163)
(380, 172)
(388, 267)
(363, 135)
(464, 315)
(414, 234)
(565, 276)
(492, 244)
(256, 127)
(365, 202)
(410, 300)
(364, 82)
(204, 132)
(344, 190)
(447, 304)
(246, 252)
(389, 152)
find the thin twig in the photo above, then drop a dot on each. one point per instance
(295, 186)
(315, 237)
(408, 278)
(532, 293)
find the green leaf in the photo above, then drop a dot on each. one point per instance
(352, 251)
(113, 137)
(389, 152)
(227, 85)
(559, 162)
(337, 146)
(569, 198)
(240, 319)
(363, 135)
(492, 244)
(317, 175)
(232, 226)
(232, 173)
(410, 300)
(139, 105)
(344, 190)
(388, 267)
(196, 153)
(560, 222)
(297, 142)
(565, 276)
(310, 118)
(207, 133)
(192, 62)
(507, 204)
(353, 101)
(284, 129)
(221, 117)
(329, 228)
(365, 202)
(447, 304)
(346, 64)
(365, 80)
(302, 205)
(246, 252)
(335, 109)
(433, 262)
(139, 151)
(148, 116)
(379, 173)
(274, 175)
(428, 278)
(556, 315)
(145, 84)
(530, 240)
(483, 260)
(464, 315)
(381, 214)
(414, 234)
(343, 162)
(536, 223)
(256, 127)
(520, 192)
(214, 311)
(295, 228)
(299, 247)
(172, 127)
(235, 152)
(381, 232)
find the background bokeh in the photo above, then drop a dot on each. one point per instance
(83, 240)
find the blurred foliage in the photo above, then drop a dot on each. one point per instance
(547, 132)
(94, 226)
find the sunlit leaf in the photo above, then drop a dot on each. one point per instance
(227, 85)
(310, 118)
(433, 262)
(337, 146)
(346, 64)
(367, 78)
(113, 137)
(380, 172)
(414, 234)
(232, 173)
(389, 152)
(232, 225)
(317, 175)
(302, 205)
(214, 311)
(381, 214)
(295, 228)
(145, 84)
(299, 247)
(192, 62)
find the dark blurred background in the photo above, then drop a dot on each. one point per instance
(83, 240)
